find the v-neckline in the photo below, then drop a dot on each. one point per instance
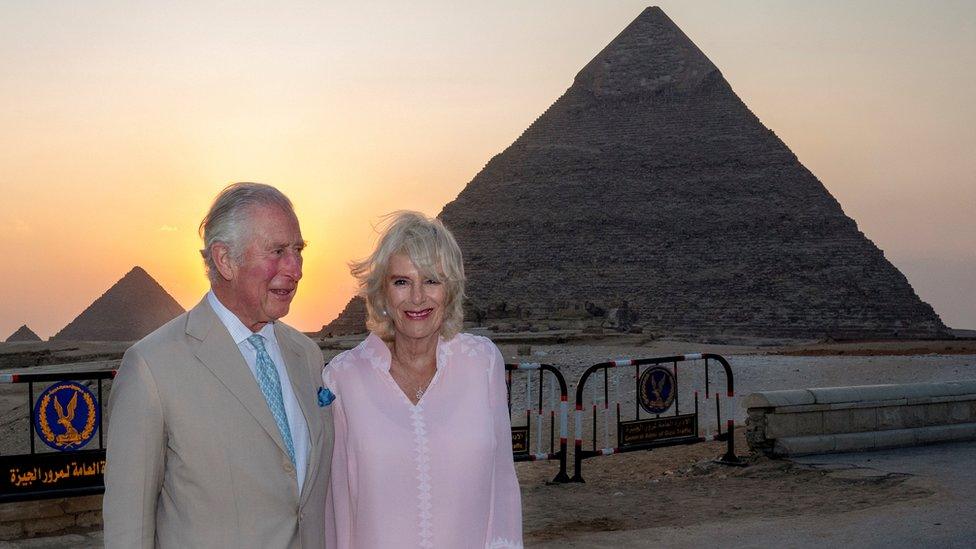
(403, 394)
(430, 386)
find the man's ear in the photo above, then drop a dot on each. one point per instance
(224, 260)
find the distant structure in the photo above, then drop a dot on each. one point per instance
(132, 308)
(352, 320)
(23, 334)
(650, 187)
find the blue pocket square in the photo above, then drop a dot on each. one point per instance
(326, 396)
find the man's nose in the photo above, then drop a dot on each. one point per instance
(293, 265)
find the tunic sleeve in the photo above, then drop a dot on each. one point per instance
(505, 519)
(341, 497)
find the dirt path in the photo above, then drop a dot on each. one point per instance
(681, 486)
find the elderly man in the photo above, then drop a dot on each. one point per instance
(217, 436)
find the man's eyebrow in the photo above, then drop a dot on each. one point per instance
(301, 245)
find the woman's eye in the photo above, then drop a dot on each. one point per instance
(399, 282)
(432, 281)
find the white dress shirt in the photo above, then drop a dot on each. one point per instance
(296, 420)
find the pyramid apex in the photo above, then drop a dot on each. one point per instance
(650, 55)
(133, 307)
(610, 207)
(23, 334)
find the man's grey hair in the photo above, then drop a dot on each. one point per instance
(227, 220)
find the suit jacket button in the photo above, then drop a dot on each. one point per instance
(289, 468)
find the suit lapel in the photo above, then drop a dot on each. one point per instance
(305, 392)
(218, 352)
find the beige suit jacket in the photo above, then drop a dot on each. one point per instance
(195, 458)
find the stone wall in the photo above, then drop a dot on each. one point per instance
(27, 519)
(844, 419)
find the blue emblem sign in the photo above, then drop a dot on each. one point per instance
(656, 389)
(66, 416)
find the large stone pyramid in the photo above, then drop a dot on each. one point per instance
(650, 182)
(352, 320)
(23, 334)
(132, 308)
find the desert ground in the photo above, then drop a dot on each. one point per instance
(677, 486)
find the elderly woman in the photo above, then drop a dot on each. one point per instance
(423, 451)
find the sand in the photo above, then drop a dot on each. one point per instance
(677, 486)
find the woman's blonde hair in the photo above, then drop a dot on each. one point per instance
(432, 248)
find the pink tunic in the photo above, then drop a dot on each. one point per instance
(438, 474)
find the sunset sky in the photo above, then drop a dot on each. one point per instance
(120, 121)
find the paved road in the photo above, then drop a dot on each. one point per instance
(947, 519)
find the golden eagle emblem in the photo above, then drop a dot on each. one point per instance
(656, 389)
(66, 416)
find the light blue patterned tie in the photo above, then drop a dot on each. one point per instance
(271, 387)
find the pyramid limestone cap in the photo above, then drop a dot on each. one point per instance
(132, 308)
(23, 334)
(650, 55)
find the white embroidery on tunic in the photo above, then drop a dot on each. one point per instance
(502, 543)
(422, 457)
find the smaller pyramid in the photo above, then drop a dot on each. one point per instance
(23, 334)
(352, 320)
(131, 309)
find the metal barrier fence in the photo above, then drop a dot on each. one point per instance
(65, 416)
(523, 436)
(655, 392)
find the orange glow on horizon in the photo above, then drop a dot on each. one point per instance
(119, 126)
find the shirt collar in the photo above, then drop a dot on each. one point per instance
(378, 352)
(238, 331)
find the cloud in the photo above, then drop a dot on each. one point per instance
(167, 229)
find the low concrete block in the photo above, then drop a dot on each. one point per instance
(809, 424)
(936, 414)
(860, 418)
(798, 446)
(945, 433)
(913, 416)
(83, 503)
(890, 417)
(11, 530)
(863, 419)
(801, 408)
(781, 425)
(960, 412)
(836, 421)
(833, 395)
(89, 519)
(48, 525)
(853, 442)
(772, 399)
(23, 510)
(897, 438)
